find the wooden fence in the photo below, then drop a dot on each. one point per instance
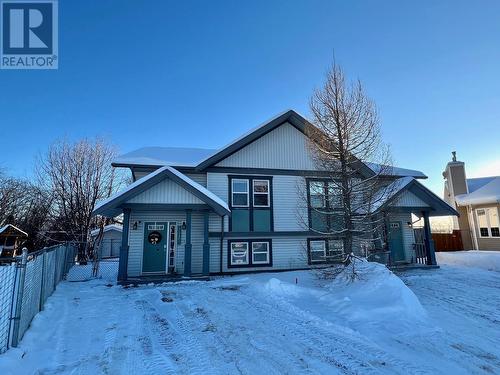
(448, 241)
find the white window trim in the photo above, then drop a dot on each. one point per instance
(323, 195)
(317, 251)
(240, 192)
(486, 212)
(247, 257)
(267, 261)
(260, 193)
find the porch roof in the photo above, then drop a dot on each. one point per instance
(436, 206)
(112, 206)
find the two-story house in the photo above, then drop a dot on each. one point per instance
(247, 207)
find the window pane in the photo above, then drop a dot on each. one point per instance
(494, 224)
(261, 186)
(261, 200)
(336, 249)
(260, 258)
(260, 252)
(483, 223)
(317, 250)
(318, 246)
(317, 194)
(334, 195)
(240, 199)
(239, 253)
(240, 186)
(240, 220)
(262, 220)
(318, 221)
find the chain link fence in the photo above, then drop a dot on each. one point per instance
(27, 281)
(98, 263)
(25, 284)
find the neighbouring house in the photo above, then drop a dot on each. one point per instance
(107, 242)
(11, 240)
(240, 209)
(478, 202)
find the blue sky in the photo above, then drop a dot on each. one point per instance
(144, 73)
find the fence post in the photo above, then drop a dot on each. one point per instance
(19, 299)
(42, 289)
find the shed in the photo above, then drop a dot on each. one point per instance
(108, 241)
(11, 239)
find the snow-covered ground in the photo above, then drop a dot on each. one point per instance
(270, 324)
(488, 260)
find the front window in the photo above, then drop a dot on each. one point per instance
(239, 253)
(239, 193)
(251, 204)
(249, 253)
(488, 222)
(260, 252)
(325, 206)
(261, 193)
(326, 251)
(318, 251)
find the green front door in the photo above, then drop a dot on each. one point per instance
(396, 244)
(154, 257)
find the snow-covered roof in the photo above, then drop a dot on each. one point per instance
(485, 190)
(5, 227)
(202, 158)
(394, 171)
(107, 228)
(109, 206)
(160, 156)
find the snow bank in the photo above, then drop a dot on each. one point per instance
(488, 260)
(378, 299)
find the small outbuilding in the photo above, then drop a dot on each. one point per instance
(11, 240)
(108, 241)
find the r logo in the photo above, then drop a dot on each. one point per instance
(29, 34)
(27, 28)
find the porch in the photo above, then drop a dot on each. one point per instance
(408, 242)
(166, 219)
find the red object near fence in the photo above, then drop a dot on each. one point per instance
(448, 241)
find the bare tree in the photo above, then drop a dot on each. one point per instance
(78, 175)
(346, 143)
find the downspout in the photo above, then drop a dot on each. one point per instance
(221, 240)
(473, 225)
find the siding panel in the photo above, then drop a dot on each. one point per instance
(166, 191)
(283, 148)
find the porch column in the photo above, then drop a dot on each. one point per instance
(188, 246)
(123, 263)
(429, 243)
(206, 245)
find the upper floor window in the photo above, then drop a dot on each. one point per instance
(239, 192)
(261, 193)
(325, 206)
(251, 204)
(488, 222)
